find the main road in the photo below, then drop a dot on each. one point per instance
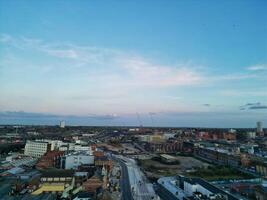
(124, 180)
(133, 183)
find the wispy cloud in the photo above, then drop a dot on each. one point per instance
(64, 50)
(151, 74)
(127, 68)
(63, 53)
(238, 93)
(175, 98)
(262, 67)
(139, 70)
(102, 77)
(104, 117)
(22, 114)
(232, 77)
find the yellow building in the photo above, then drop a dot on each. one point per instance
(156, 138)
(55, 181)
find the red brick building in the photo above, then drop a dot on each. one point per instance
(50, 159)
(103, 161)
(229, 136)
(92, 184)
(98, 153)
(164, 147)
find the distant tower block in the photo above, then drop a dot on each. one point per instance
(259, 128)
(62, 124)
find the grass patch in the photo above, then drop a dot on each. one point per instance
(154, 169)
(212, 173)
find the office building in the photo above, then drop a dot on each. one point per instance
(36, 148)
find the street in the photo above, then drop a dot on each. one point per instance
(133, 182)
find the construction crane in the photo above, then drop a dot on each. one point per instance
(151, 117)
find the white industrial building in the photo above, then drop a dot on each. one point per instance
(36, 148)
(76, 159)
(79, 145)
(86, 148)
(180, 188)
(55, 144)
(250, 135)
(18, 160)
(75, 147)
(168, 136)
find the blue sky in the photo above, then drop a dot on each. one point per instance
(176, 63)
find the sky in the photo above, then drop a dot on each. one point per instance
(150, 63)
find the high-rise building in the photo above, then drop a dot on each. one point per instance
(62, 124)
(259, 128)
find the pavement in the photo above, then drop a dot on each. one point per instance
(114, 181)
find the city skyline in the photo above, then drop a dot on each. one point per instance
(106, 63)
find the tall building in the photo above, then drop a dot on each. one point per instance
(36, 148)
(259, 128)
(62, 124)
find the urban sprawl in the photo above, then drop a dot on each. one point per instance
(132, 163)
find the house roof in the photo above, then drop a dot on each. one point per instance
(57, 173)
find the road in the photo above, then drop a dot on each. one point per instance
(141, 188)
(124, 181)
(133, 183)
(125, 184)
